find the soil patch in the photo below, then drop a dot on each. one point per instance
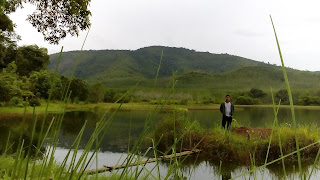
(263, 133)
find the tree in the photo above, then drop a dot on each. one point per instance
(31, 58)
(283, 95)
(257, 93)
(109, 96)
(79, 89)
(4, 91)
(11, 84)
(41, 84)
(7, 37)
(54, 19)
(96, 92)
(242, 100)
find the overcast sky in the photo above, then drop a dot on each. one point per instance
(238, 27)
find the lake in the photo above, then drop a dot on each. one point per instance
(131, 123)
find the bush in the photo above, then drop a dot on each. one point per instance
(89, 100)
(184, 102)
(76, 100)
(257, 101)
(34, 102)
(124, 99)
(283, 95)
(15, 101)
(257, 93)
(109, 96)
(243, 100)
(307, 100)
(207, 100)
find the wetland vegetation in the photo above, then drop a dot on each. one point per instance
(40, 141)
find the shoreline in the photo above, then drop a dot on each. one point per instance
(57, 107)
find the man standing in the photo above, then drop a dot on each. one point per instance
(227, 110)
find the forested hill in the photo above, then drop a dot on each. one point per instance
(144, 62)
(120, 68)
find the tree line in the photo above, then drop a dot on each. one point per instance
(258, 96)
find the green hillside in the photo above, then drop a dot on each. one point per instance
(124, 68)
(245, 78)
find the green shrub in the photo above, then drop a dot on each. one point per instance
(257, 93)
(309, 100)
(89, 100)
(76, 100)
(184, 102)
(305, 100)
(34, 102)
(109, 96)
(257, 101)
(243, 100)
(207, 100)
(181, 127)
(15, 101)
(315, 100)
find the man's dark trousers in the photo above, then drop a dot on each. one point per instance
(226, 120)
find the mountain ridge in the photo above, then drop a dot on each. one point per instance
(123, 68)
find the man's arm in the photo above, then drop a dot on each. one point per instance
(232, 109)
(221, 108)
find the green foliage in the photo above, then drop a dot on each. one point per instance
(78, 87)
(196, 71)
(41, 82)
(33, 102)
(7, 38)
(4, 91)
(257, 101)
(243, 100)
(96, 92)
(15, 101)
(177, 126)
(184, 102)
(109, 96)
(123, 68)
(237, 145)
(257, 93)
(53, 19)
(207, 100)
(76, 100)
(309, 100)
(11, 84)
(283, 96)
(31, 58)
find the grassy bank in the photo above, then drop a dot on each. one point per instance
(241, 145)
(56, 106)
(7, 165)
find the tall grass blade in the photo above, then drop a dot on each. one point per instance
(31, 141)
(271, 135)
(276, 160)
(155, 82)
(279, 137)
(7, 144)
(19, 149)
(290, 98)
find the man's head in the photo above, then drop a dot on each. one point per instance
(227, 98)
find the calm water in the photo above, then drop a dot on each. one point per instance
(125, 122)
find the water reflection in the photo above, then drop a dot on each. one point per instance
(11, 124)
